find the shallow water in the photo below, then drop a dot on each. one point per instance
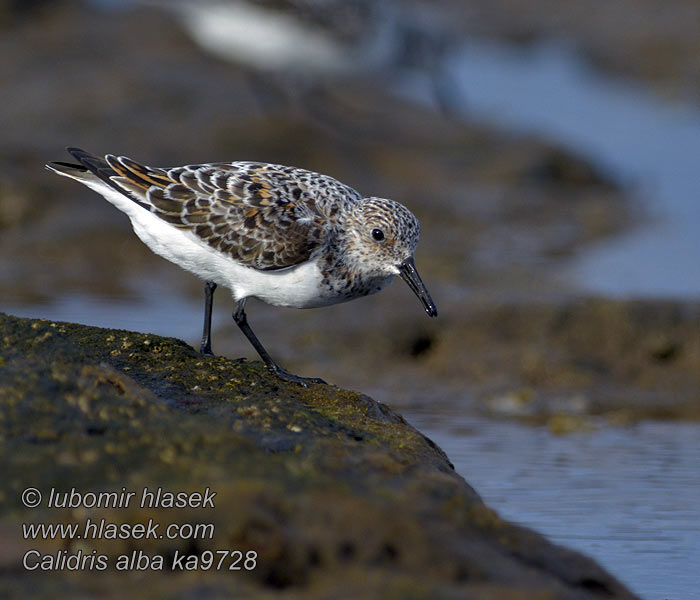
(642, 141)
(628, 497)
(168, 315)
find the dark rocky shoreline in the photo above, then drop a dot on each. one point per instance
(339, 496)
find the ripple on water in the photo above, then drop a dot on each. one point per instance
(627, 496)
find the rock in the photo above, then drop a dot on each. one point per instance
(574, 361)
(336, 493)
(620, 360)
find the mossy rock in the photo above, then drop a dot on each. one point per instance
(336, 494)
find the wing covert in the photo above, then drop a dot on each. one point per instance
(261, 215)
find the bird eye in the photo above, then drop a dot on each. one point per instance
(377, 235)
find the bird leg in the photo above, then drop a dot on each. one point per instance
(205, 347)
(241, 320)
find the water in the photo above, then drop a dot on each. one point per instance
(644, 142)
(155, 312)
(628, 497)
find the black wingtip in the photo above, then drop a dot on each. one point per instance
(79, 154)
(64, 168)
(58, 164)
(95, 164)
(87, 163)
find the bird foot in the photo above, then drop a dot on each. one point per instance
(205, 349)
(287, 376)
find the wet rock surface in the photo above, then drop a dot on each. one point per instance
(339, 496)
(568, 364)
(622, 361)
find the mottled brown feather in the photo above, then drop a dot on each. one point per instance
(257, 214)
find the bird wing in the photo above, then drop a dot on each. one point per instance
(264, 216)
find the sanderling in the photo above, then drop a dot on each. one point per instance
(287, 236)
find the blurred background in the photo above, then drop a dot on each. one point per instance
(552, 155)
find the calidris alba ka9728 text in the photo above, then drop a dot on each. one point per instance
(287, 236)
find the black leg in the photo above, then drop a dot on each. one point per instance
(241, 320)
(209, 288)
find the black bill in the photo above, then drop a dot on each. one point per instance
(409, 274)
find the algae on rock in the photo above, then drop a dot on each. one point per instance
(335, 493)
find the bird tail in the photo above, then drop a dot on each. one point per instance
(88, 168)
